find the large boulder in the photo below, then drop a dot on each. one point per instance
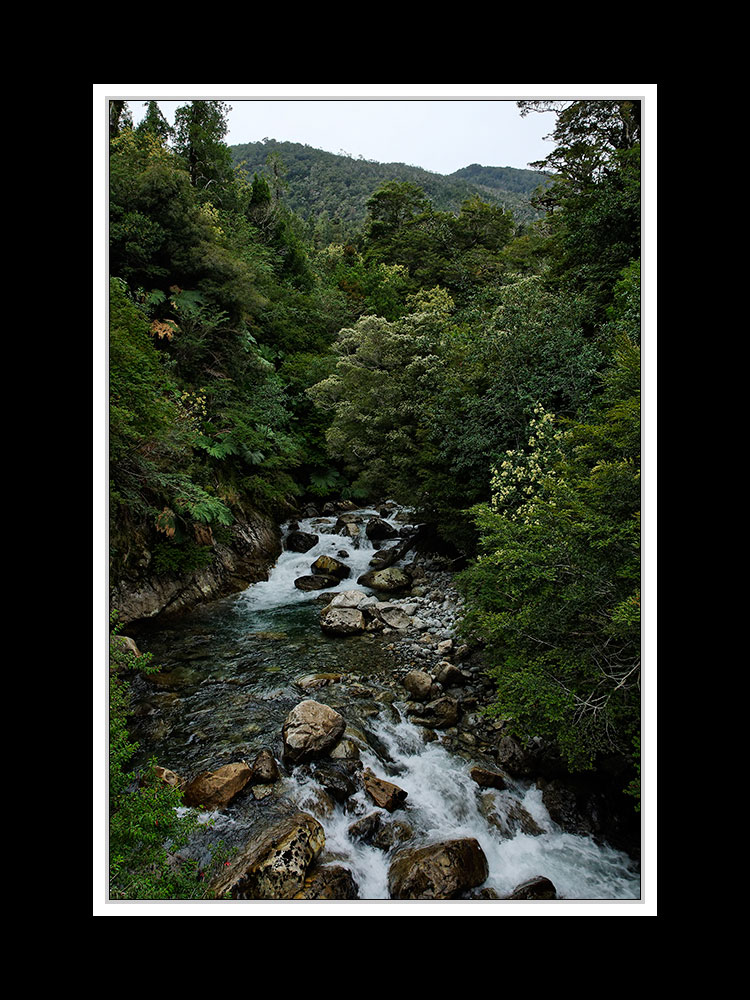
(275, 864)
(348, 599)
(311, 730)
(389, 579)
(440, 871)
(328, 566)
(300, 541)
(342, 621)
(377, 529)
(216, 789)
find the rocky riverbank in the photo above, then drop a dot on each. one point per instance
(245, 558)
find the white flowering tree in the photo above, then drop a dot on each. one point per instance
(555, 593)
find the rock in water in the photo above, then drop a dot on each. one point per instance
(274, 865)
(318, 581)
(216, 789)
(383, 793)
(348, 599)
(328, 566)
(377, 529)
(442, 713)
(264, 769)
(300, 541)
(486, 778)
(331, 882)
(311, 730)
(538, 887)
(440, 871)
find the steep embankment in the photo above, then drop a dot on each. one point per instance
(245, 558)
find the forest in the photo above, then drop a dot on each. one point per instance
(478, 363)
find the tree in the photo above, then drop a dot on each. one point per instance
(378, 398)
(393, 206)
(120, 118)
(200, 128)
(154, 123)
(594, 203)
(589, 135)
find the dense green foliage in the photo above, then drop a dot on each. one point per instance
(392, 336)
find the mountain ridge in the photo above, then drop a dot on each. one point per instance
(332, 189)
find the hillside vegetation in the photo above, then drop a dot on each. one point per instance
(330, 191)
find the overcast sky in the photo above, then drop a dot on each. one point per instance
(455, 126)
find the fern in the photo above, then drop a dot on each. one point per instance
(193, 501)
(216, 449)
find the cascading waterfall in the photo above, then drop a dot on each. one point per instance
(443, 804)
(235, 664)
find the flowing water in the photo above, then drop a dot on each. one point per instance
(230, 674)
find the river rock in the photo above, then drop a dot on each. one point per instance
(377, 529)
(510, 819)
(316, 582)
(348, 599)
(488, 779)
(311, 730)
(383, 793)
(348, 525)
(328, 566)
(216, 789)
(388, 579)
(168, 777)
(264, 769)
(438, 714)
(440, 871)
(275, 864)
(449, 675)
(393, 616)
(537, 887)
(300, 541)
(419, 684)
(339, 778)
(310, 682)
(329, 882)
(380, 832)
(345, 750)
(342, 621)
(128, 644)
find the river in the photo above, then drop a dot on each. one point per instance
(233, 669)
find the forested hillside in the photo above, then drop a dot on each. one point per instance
(330, 191)
(317, 327)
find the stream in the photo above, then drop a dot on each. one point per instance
(232, 670)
